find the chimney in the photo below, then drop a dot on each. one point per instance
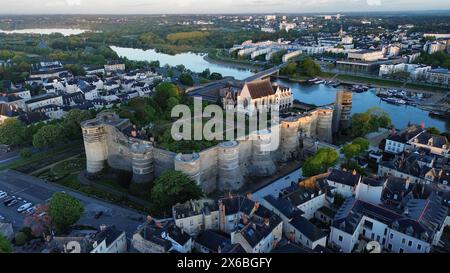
(266, 221)
(354, 172)
(103, 227)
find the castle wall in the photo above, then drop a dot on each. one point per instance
(222, 167)
(208, 163)
(163, 161)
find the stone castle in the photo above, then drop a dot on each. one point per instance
(108, 139)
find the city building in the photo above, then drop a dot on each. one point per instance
(342, 110)
(414, 230)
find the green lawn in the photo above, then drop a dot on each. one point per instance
(38, 157)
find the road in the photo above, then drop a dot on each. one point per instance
(38, 191)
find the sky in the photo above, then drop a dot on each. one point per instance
(212, 6)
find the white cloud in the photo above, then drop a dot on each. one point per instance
(374, 2)
(73, 2)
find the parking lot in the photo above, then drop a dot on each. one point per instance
(36, 191)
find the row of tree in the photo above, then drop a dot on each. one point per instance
(14, 132)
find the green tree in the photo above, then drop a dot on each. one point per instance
(433, 131)
(163, 92)
(215, 76)
(5, 245)
(12, 132)
(309, 67)
(289, 70)
(21, 238)
(71, 123)
(76, 69)
(48, 136)
(186, 79)
(64, 210)
(173, 187)
(26, 153)
(320, 162)
(363, 143)
(350, 150)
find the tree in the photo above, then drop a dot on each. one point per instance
(64, 210)
(163, 92)
(5, 245)
(26, 153)
(174, 187)
(206, 73)
(289, 69)
(320, 162)
(186, 79)
(20, 238)
(309, 67)
(71, 123)
(433, 131)
(76, 69)
(350, 151)
(12, 132)
(48, 136)
(363, 143)
(215, 76)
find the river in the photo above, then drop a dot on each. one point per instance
(314, 94)
(192, 61)
(46, 31)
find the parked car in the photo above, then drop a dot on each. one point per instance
(3, 195)
(31, 210)
(7, 200)
(24, 207)
(12, 202)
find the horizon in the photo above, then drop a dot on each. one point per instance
(205, 7)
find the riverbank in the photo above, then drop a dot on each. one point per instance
(213, 58)
(383, 83)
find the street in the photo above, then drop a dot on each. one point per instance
(37, 191)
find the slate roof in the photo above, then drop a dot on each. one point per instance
(344, 177)
(422, 218)
(307, 228)
(212, 240)
(260, 88)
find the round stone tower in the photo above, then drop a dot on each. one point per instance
(262, 162)
(94, 135)
(229, 174)
(189, 164)
(324, 125)
(290, 144)
(142, 162)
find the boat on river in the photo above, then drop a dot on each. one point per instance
(395, 101)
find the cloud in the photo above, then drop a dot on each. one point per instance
(374, 2)
(73, 2)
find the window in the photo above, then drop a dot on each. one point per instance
(419, 246)
(403, 241)
(401, 250)
(341, 238)
(391, 235)
(390, 246)
(385, 231)
(410, 243)
(384, 241)
(378, 238)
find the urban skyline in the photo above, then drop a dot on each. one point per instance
(220, 6)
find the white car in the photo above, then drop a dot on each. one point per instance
(31, 210)
(24, 207)
(3, 194)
